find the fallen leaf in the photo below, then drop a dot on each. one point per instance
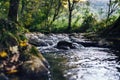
(3, 54)
(23, 43)
(12, 71)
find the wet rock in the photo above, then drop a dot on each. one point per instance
(34, 64)
(50, 42)
(42, 43)
(37, 42)
(77, 46)
(66, 45)
(33, 40)
(40, 35)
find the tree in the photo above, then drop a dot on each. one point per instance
(13, 10)
(70, 9)
(51, 10)
(113, 6)
(57, 6)
(115, 28)
(71, 5)
(4, 6)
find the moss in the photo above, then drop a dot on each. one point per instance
(11, 33)
(7, 39)
(34, 51)
(8, 25)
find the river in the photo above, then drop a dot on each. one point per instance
(86, 63)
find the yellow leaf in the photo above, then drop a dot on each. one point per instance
(23, 43)
(12, 71)
(3, 54)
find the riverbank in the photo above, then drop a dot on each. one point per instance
(111, 41)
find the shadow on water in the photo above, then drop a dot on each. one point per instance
(24, 77)
(57, 68)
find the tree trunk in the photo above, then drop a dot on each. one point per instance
(13, 10)
(69, 20)
(70, 6)
(70, 15)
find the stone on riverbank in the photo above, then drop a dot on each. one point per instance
(34, 67)
(37, 42)
(34, 64)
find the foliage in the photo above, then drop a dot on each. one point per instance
(41, 15)
(34, 51)
(11, 33)
(113, 7)
(52, 16)
(4, 6)
(88, 24)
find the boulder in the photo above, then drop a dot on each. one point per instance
(37, 42)
(34, 64)
(66, 45)
(35, 67)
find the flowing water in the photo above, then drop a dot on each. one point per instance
(86, 63)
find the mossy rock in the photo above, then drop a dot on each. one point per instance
(34, 64)
(34, 67)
